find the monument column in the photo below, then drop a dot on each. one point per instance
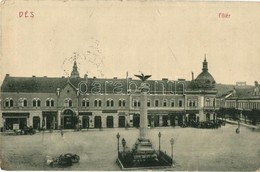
(143, 114)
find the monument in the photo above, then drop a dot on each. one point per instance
(143, 155)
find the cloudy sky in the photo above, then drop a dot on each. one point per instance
(165, 39)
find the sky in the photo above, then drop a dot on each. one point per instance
(108, 39)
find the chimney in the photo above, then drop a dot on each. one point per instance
(256, 88)
(192, 76)
(7, 75)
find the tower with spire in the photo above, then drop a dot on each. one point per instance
(75, 72)
(205, 65)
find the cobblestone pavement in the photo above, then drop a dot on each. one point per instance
(193, 149)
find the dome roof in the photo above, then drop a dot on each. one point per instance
(205, 79)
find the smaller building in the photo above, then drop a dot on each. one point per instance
(243, 101)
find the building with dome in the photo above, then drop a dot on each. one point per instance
(90, 102)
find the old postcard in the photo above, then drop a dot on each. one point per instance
(130, 85)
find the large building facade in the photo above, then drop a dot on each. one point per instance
(84, 102)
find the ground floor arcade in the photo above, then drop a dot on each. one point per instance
(70, 119)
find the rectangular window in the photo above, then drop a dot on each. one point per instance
(156, 103)
(180, 103)
(148, 103)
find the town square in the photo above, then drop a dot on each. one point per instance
(194, 149)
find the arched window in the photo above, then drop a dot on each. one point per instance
(38, 103)
(47, 102)
(120, 103)
(100, 103)
(11, 103)
(164, 103)
(70, 103)
(190, 103)
(112, 103)
(135, 103)
(87, 103)
(25, 103)
(83, 103)
(156, 103)
(108, 103)
(123, 103)
(172, 103)
(194, 103)
(148, 103)
(34, 103)
(96, 103)
(52, 103)
(207, 102)
(6, 102)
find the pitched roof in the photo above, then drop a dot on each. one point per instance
(50, 84)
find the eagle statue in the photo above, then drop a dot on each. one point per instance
(143, 77)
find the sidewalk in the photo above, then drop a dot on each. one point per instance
(242, 123)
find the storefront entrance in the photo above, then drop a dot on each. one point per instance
(69, 119)
(49, 119)
(97, 122)
(136, 120)
(110, 122)
(14, 121)
(36, 122)
(85, 121)
(121, 121)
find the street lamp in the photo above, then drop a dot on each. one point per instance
(123, 143)
(159, 135)
(238, 121)
(118, 136)
(172, 142)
